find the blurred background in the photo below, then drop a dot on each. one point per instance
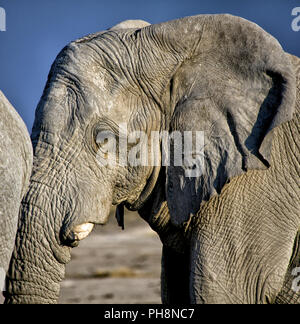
(110, 266)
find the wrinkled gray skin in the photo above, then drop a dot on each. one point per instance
(228, 234)
(15, 169)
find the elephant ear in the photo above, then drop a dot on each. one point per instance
(231, 92)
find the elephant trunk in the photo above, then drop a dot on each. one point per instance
(38, 263)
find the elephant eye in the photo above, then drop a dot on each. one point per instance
(103, 137)
(106, 142)
(101, 142)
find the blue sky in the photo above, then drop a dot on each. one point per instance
(37, 30)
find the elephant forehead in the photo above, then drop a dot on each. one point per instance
(51, 113)
(61, 110)
(85, 83)
(119, 109)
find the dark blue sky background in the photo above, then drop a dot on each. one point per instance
(38, 29)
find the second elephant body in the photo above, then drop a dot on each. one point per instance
(15, 170)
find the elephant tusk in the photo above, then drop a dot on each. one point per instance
(82, 231)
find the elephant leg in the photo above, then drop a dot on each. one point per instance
(290, 292)
(175, 277)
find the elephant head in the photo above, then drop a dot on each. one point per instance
(214, 73)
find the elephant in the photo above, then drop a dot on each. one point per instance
(228, 216)
(16, 158)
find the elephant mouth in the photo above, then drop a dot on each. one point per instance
(73, 236)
